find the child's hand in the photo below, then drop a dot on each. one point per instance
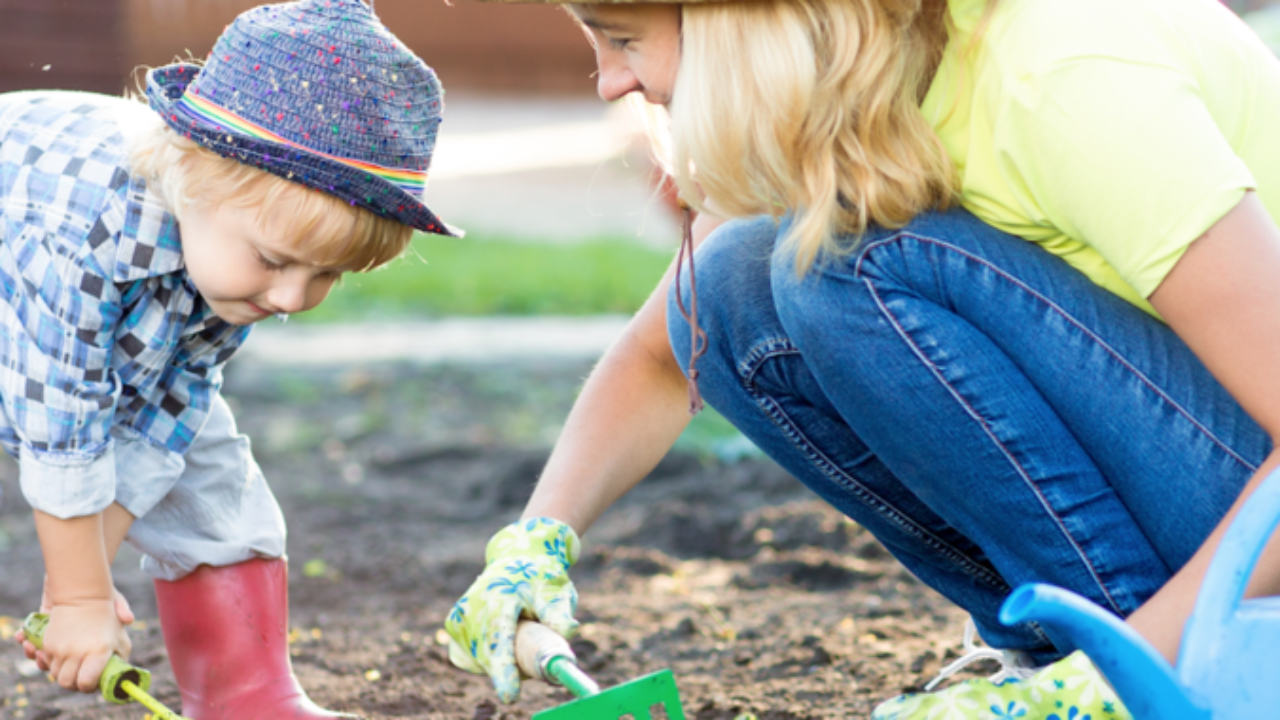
(85, 627)
(123, 612)
(80, 639)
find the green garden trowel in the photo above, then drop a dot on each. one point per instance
(120, 683)
(543, 654)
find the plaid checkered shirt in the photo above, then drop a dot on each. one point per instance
(109, 358)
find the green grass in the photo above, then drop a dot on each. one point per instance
(709, 435)
(494, 276)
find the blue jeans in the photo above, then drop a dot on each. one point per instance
(988, 413)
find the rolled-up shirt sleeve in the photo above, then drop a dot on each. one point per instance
(145, 473)
(68, 489)
(132, 471)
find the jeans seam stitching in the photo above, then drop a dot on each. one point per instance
(972, 411)
(828, 468)
(1061, 312)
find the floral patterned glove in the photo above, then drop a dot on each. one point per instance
(1070, 689)
(526, 573)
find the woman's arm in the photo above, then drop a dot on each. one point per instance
(1223, 300)
(631, 410)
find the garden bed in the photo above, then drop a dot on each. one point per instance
(758, 596)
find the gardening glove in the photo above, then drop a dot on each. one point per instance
(1070, 689)
(526, 574)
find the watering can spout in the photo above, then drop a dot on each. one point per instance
(1142, 678)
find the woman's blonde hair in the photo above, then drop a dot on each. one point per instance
(813, 107)
(338, 234)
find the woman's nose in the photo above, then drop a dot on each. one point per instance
(614, 79)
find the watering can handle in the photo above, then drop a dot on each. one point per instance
(542, 653)
(113, 676)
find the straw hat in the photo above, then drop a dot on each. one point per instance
(320, 93)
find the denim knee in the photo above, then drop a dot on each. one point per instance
(805, 301)
(842, 283)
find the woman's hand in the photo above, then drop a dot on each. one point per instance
(79, 640)
(526, 574)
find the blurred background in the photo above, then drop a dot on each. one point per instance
(567, 229)
(528, 156)
(527, 152)
(567, 232)
(517, 77)
(523, 49)
(410, 414)
(555, 187)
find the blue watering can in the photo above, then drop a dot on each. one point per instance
(1229, 662)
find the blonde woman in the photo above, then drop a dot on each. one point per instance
(997, 281)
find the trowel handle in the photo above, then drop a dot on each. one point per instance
(114, 674)
(542, 653)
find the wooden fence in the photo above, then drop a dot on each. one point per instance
(76, 44)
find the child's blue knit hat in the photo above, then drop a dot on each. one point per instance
(320, 93)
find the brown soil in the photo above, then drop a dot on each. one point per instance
(759, 597)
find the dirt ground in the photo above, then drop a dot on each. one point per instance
(760, 598)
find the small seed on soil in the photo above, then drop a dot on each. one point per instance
(485, 710)
(923, 659)
(686, 628)
(820, 656)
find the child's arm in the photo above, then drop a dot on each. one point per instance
(85, 626)
(116, 522)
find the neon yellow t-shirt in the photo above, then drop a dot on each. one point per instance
(1111, 132)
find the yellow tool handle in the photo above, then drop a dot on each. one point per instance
(120, 681)
(160, 711)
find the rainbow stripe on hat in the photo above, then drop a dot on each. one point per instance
(413, 182)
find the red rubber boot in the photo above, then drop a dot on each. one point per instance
(227, 633)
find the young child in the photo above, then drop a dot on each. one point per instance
(137, 248)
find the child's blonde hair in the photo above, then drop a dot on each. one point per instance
(340, 235)
(811, 106)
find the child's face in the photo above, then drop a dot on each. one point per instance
(246, 269)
